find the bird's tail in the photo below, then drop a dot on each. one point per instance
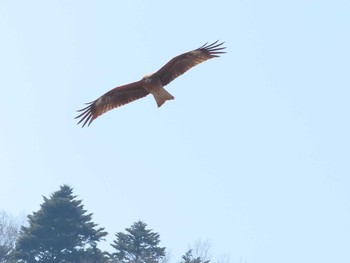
(161, 96)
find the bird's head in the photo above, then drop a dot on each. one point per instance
(148, 77)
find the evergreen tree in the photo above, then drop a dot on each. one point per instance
(189, 258)
(92, 255)
(138, 245)
(59, 232)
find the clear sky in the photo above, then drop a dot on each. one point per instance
(252, 155)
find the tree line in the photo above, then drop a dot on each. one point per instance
(62, 231)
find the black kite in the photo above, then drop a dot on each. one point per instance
(151, 84)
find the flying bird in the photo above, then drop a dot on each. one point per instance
(149, 84)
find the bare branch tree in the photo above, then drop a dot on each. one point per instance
(201, 250)
(9, 231)
(223, 259)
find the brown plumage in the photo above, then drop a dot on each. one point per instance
(153, 83)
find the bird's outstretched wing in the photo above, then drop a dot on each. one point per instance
(180, 64)
(110, 100)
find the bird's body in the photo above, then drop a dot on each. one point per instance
(151, 84)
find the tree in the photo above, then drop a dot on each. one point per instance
(201, 250)
(189, 258)
(60, 231)
(9, 230)
(92, 255)
(200, 253)
(138, 245)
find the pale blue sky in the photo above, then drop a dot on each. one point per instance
(253, 153)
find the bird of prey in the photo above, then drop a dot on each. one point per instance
(150, 84)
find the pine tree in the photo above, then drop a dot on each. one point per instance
(59, 232)
(189, 258)
(139, 245)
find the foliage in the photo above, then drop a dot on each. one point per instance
(92, 255)
(189, 258)
(138, 245)
(60, 231)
